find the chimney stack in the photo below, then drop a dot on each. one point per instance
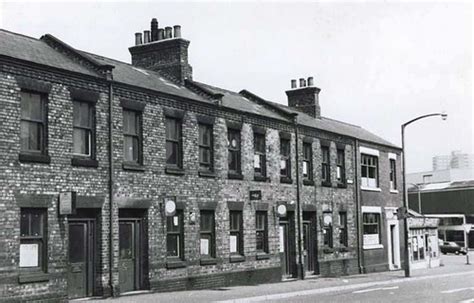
(138, 39)
(146, 37)
(293, 83)
(177, 31)
(305, 98)
(154, 29)
(160, 53)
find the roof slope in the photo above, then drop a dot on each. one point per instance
(37, 51)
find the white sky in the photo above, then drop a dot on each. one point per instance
(378, 64)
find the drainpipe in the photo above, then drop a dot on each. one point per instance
(111, 183)
(360, 251)
(298, 200)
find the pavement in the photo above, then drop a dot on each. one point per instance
(452, 282)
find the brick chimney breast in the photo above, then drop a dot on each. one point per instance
(167, 55)
(305, 98)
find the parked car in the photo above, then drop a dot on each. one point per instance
(452, 247)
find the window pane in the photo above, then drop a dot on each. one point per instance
(285, 147)
(233, 159)
(130, 149)
(259, 142)
(82, 114)
(172, 153)
(233, 243)
(173, 223)
(204, 135)
(171, 129)
(24, 224)
(130, 122)
(260, 240)
(81, 141)
(206, 222)
(372, 172)
(30, 254)
(233, 139)
(31, 106)
(204, 155)
(205, 245)
(31, 134)
(172, 245)
(36, 224)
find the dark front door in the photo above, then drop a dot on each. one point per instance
(309, 242)
(81, 259)
(129, 261)
(284, 250)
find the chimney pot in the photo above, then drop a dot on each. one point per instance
(138, 38)
(146, 37)
(310, 81)
(154, 29)
(293, 83)
(168, 32)
(177, 31)
(161, 34)
(302, 82)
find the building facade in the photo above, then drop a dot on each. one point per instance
(119, 177)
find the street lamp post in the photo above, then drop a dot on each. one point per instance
(405, 194)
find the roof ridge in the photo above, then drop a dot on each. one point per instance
(343, 122)
(18, 34)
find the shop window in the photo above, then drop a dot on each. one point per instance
(236, 233)
(261, 231)
(175, 235)
(208, 237)
(33, 242)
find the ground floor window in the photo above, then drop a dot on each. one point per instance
(261, 231)
(208, 236)
(33, 243)
(371, 228)
(175, 235)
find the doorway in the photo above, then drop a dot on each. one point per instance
(394, 245)
(310, 243)
(287, 246)
(81, 269)
(130, 272)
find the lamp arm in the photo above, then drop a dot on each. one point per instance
(421, 117)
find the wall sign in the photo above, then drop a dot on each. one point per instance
(67, 203)
(255, 195)
(281, 210)
(170, 207)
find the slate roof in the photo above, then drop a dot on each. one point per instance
(441, 186)
(35, 50)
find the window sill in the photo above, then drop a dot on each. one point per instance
(394, 191)
(286, 180)
(85, 162)
(263, 256)
(308, 182)
(174, 171)
(33, 277)
(260, 178)
(370, 188)
(342, 185)
(208, 261)
(343, 249)
(235, 176)
(328, 250)
(35, 158)
(206, 174)
(175, 264)
(236, 258)
(373, 246)
(326, 184)
(133, 166)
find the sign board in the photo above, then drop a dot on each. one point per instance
(67, 203)
(170, 207)
(29, 255)
(371, 239)
(255, 195)
(281, 210)
(467, 227)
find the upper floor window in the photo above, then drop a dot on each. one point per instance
(341, 167)
(33, 242)
(259, 159)
(33, 122)
(369, 171)
(132, 136)
(174, 150)
(83, 128)
(236, 233)
(325, 166)
(261, 231)
(208, 236)
(285, 159)
(175, 235)
(307, 161)
(393, 174)
(233, 137)
(206, 152)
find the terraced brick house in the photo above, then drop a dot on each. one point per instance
(119, 177)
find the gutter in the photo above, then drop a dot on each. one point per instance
(360, 258)
(111, 183)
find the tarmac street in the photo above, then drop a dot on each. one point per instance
(453, 282)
